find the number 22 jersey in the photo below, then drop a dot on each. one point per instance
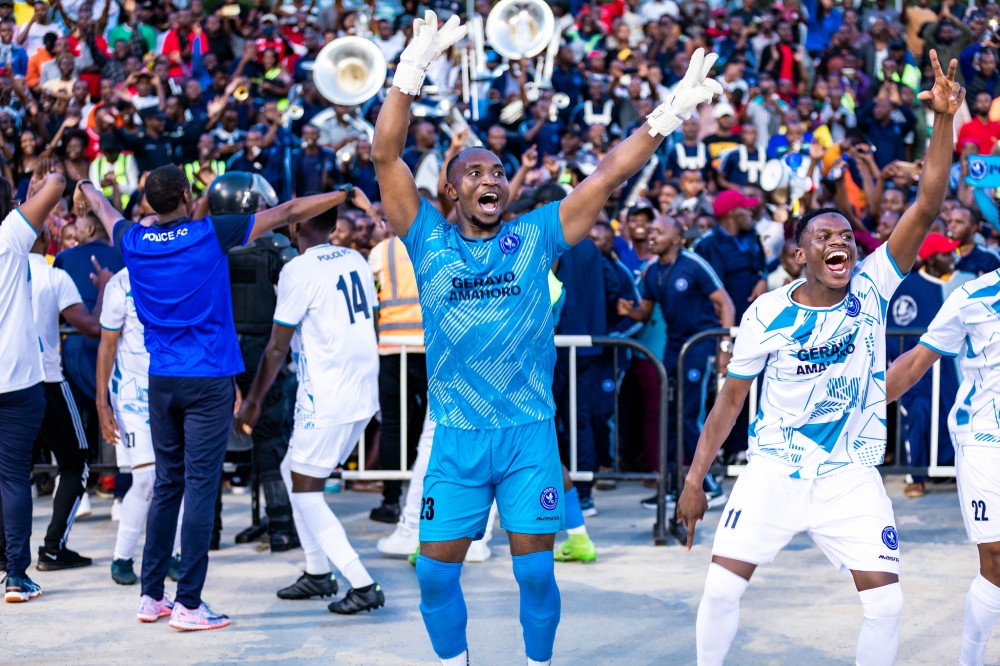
(327, 295)
(822, 403)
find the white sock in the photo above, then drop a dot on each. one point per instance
(135, 506)
(982, 606)
(329, 533)
(316, 562)
(411, 510)
(879, 636)
(532, 662)
(177, 534)
(718, 614)
(460, 660)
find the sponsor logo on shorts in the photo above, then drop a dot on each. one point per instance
(509, 243)
(889, 557)
(549, 498)
(889, 538)
(548, 518)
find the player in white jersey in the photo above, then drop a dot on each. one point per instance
(820, 429)
(54, 295)
(968, 327)
(324, 314)
(123, 368)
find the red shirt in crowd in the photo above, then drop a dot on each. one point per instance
(172, 45)
(984, 134)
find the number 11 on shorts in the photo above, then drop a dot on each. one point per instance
(734, 516)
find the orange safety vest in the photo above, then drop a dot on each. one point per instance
(399, 303)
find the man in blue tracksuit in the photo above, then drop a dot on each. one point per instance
(180, 285)
(690, 295)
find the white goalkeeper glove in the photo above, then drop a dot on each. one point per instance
(694, 89)
(427, 44)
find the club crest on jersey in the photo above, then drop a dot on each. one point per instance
(549, 498)
(681, 284)
(509, 242)
(889, 538)
(853, 306)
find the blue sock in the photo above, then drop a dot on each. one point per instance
(572, 514)
(443, 606)
(540, 606)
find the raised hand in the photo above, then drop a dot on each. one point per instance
(529, 160)
(694, 89)
(427, 44)
(946, 96)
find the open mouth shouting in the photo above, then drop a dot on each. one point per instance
(490, 203)
(838, 262)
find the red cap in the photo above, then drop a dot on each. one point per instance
(935, 243)
(729, 200)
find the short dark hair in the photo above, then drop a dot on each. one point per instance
(165, 188)
(804, 221)
(453, 163)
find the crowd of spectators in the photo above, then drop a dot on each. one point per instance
(820, 108)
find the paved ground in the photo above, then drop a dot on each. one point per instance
(636, 605)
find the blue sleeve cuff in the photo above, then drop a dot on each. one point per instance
(733, 374)
(282, 323)
(938, 351)
(108, 328)
(246, 237)
(892, 261)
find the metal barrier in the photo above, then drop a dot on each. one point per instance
(931, 470)
(571, 342)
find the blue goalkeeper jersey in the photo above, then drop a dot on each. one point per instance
(488, 326)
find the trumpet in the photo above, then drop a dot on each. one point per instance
(346, 154)
(241, 93)
(293, 113)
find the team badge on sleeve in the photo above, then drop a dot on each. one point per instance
(549, 498)
(889, 538)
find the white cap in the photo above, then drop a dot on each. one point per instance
(723, 109)
(268, 17)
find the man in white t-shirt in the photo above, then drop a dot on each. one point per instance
(30, 36)
(22, 395)
(324, 315)
(820, 344)
(54, 294)
(967, 327)
(123, 371)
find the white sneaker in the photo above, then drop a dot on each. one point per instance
(84, 509)
(479, 551)
(402, 542)
(116, 510)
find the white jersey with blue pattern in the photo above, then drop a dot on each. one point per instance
(968, 326)
(129, 381)
(488, 325)
(822, 404)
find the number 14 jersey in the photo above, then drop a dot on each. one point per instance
(327, 295)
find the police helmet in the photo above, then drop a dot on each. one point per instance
(239, 193)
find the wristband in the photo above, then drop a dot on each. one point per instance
(409, 78)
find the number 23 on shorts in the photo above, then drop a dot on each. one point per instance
(427, 508)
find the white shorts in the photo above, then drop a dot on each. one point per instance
(848, 515)
(978, 471)
(135, 447)
(316, 452)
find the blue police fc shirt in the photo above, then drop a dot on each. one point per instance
(180, 286)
